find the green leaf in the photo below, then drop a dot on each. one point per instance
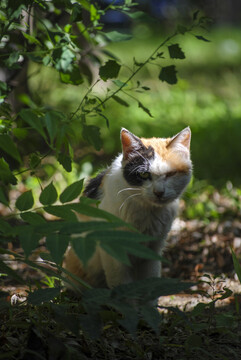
(88, 210)
(176, 52)
(34, 160)
(116, 36)
(168, 74)
(79, 227)
(91, 133)
(237, 265)
(25, 201)
(29, 241)
(150, 289)
(120, 244)
(120, 101)
(140, 105)
(33, 120)
(65, 161)
(64, 58)
(6, 174)
(4, 226)
(151, 316)
(49, 195)
(31, 39)
(43, 295)
(84, 248)
(57, 245)
(200, 37)
(12, 61)
(7, 144)
(52, 121)
(73, 77)
(33, 218)
(76, 13)
(119, 83)
(72, 191)
(195, 15)
(61, 211)
(3, 198)
(181, 29)
(110, 70)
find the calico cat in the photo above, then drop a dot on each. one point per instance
(142, 186)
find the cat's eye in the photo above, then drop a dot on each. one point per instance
(145, 175)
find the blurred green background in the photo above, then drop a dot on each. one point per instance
(207, 98)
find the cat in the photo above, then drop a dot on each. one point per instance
(142, 186)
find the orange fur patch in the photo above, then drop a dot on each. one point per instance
(175, 160)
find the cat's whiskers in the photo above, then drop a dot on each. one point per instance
(129, 197)
(127, 189)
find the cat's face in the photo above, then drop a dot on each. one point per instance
(159, 169)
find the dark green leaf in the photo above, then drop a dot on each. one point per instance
(76, 13)
(49, 195)
(79, 227)
(151, 316)
(34, 160)
(120, 101)
(52, 121)
(61, 211)
(200, 37)
(168, 74)
(116, 36)
(84, 248)
(130, 317)
(6, 174)
(73, 77)
(4, 226)
(91, 133)
(3, 198)
(237, 265)
(181, 29)
(43, 295)
(195, 15)
(57, 245)
(65, 161)
(7, 144)
(31, 39)
(72, 191)
(29, 241)
(12, 61)
(33, 218)
(150, 289)
(33, 120)
(140, 105)
(25, 201)
(176, 52)
(110, 70)
(89, 210)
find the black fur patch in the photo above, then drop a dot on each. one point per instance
(92, 189)
(138, 163)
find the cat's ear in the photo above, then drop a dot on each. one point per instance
(130, 143)
(181, 141)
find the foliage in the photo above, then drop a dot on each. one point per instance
(69, 38)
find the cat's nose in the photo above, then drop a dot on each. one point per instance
(159, 194)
